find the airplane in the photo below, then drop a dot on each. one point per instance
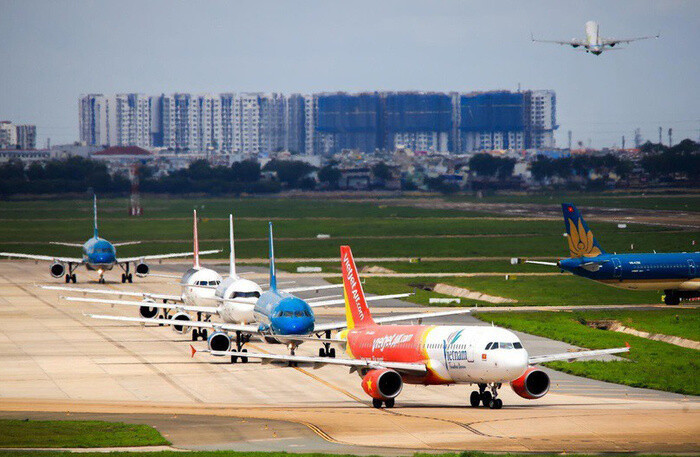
(198, 285)
(99, 255)
(594, 43)
(675, 273)
(387, 356)
(276, 316)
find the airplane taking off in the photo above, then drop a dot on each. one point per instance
(99, 255)
(594, 43)
(386, 356)
(675, 273)
(275, 316)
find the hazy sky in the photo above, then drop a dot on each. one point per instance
(52, 51)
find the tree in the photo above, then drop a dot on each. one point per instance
(381, 171)
(290, 172)
(329, 175)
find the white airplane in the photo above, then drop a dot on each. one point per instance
(99, 255)
(198, 285)
(594, 43)
(386, 356)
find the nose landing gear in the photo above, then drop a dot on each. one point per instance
(485, 397)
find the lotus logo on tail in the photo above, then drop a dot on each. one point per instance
(581, 242)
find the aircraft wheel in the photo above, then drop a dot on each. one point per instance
(203, 333)
(377, 403)
(499, 403)
(234, 359)
(74, 278)
(244, 359)
(671, 299)
(101, 280)
(195, 334)
(475, 399)
(486, 398)
(390, 403)
(68, 278)
(321, 352)
(331, 353)
(123, 278)
(130, 278)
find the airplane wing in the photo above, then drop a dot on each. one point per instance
(413, 368)
(310, 288)
(537, 262)
(574, 355)
(574, 43)
(383, 320)
(47, 258)
(119, 293)
(217, 326)
(341, 301)
(179, 307)
(126, 243)
(60, 243)
(165, 256)
(613, 42)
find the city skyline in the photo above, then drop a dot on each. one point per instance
(74, 48)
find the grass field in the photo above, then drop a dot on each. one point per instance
(563, 289)
(651, 364)
(23, 434)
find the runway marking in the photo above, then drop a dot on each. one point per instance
(139, 357)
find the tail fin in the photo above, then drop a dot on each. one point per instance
(195, 237)
(94, 211)
(582, 243)
(273, 274)
(356, 311)
(232, 255)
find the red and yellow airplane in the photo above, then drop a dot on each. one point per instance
(387, 356)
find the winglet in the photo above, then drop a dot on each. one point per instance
(627, 344)
(94, 211)
(195, 237)
(232, 255)
(273, 274)
(192, 350)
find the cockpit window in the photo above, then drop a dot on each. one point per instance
(287, 314)
(517, 345)
(299, 313)
(505, 345)
(494, 346)
(246, 294)
(307, 313)
(488, 346)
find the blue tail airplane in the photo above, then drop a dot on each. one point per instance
(675, 273)
(99, 255)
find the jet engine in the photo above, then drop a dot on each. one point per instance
(148, 311)
(219, 341)
(533, 384)
(382, 384)
(184, 318)
(142, 269)
(57, 269)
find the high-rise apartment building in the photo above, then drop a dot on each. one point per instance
(8, 135)
(26, 136)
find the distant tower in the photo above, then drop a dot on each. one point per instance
(670, 137)
(660, 133)
(637, 137)
(623, 141)
(569, 140)
(135, 200)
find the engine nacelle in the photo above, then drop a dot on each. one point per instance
(382, 384)
(181, 317)
(57, 269)
(533, 384)
(148, 312)
(219, 341)
(142, 269)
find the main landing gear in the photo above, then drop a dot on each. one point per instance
(197, 333)
(126, 276)
(671, 297)
(327, 350)
(377, 403)
(70, 276)
(240, 341)
(487, 398)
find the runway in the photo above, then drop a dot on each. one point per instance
(54, 360)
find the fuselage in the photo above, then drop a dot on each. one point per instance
(593, 41)
(452, 354)
(663, 271)
(245, 293)
(99, 254)
(282, 313)
(199, 285)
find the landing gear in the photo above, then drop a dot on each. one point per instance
(240, 341)
(126, 276)
(196, 334)
(671, 298)
(485, 397)
(377, 403)
(70, 276)
(101, 280)
(326, 350)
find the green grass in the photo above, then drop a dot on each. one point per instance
(448, 266)
(684, 323)
(564, 289)
(654, 364)
(274, 454)
(30, 433)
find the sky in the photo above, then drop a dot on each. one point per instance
(52, 51)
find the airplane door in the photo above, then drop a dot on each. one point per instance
(691, 268)
(470, 353)
(617, 272)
